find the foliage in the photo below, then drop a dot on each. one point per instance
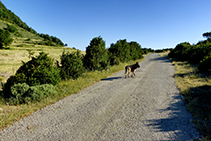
(199, 51)
(121, 49)
(71, 65)
(181, 51)
(5, 38)
(39, 70)
(11, 28)
(18, 93)
(96, 57)
(207, 35)
(50, 40)
(195, 54)
(135, 51)
(205, 65)
(113, 60)
(23, 93)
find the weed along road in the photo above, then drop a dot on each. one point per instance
(146, 107)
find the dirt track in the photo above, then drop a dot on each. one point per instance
(146, 107)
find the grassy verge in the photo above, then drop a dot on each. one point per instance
(196, 90)
(9, 114)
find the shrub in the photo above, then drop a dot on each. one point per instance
(205, 65)
(39, 70)
(96, 57)
(71, 65)
(135, 51)
(114, 60)
(23, 93)
(181, 52)
(18, 93)
(121, 49)
(199, 52)
(37, 93)
(11, 28)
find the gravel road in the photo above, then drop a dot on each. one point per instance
(145, 107)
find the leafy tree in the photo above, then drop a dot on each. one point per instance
(181, 52)
(135, 51)
(5, 38)
(96, 57)
(207, 35)
(71, 65)
(121, 50)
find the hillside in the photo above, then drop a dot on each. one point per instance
(25, 40)
(21, 30)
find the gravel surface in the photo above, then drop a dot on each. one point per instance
(145, 107)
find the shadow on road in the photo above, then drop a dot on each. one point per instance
(178, 122)
(161, 59)
(110, 78)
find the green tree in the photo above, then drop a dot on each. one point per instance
(5, 38)
(135, 51)
(121, 50)
(96, 57)
(207, 35)
(71, 65)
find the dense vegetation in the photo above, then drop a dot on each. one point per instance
(5, 38)
(9, 16)
(43, 70)
(199, 53)
(96, 57)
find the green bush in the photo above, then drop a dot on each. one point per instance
(11, 28)
(71, 65)
(199, 52)
(135, 51)
(125, 51)
(37, 93)
(121, 49)
(96, 57)
(23, 93)
(18, 93)
(181, 52)
(39, 70)
(205, 65)
(114, 60)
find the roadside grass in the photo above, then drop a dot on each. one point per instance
(196, 91)
(10, 113)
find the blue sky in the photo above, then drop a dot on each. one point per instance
(152, 23)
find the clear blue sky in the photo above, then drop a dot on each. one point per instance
(152, 23)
